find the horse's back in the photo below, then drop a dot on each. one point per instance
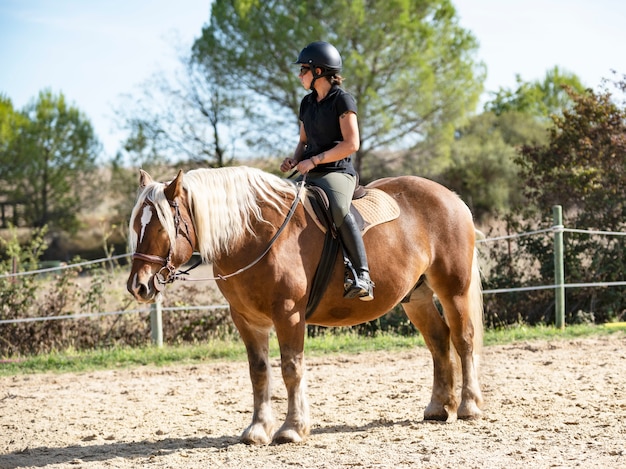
(434, 227)
(435, 208)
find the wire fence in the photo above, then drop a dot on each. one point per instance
(553, 229)
(557, 228)
(66, 266)
(147, 309)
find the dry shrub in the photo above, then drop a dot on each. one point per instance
(31, 299)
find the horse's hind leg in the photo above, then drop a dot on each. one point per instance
(423, 314)
(465, 336)
(257, 345)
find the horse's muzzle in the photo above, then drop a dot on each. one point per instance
(144, 291)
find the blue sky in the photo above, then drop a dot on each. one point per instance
(530, 37)
(94, 51)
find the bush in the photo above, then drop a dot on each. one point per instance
(529, 261)
(85, 290)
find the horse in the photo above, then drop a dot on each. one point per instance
(265, 247)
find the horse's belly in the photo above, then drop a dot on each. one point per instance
(348, 315)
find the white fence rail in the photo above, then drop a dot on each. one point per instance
(156, 309)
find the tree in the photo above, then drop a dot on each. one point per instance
(408, 63)
(583, 168)
(540, 98)
(481, 167)
(47, 164)
(186, 118)
(10, 122)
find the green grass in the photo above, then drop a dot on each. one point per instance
(522, 333)
(73, 361)
(233, 349)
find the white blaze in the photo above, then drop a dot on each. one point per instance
(146, 216)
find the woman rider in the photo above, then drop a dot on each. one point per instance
(329, 136)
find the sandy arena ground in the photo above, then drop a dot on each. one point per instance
(557, 404)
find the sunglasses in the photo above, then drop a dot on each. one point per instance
(304, 70)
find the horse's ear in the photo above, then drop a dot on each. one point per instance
(144, 179)
(175, 188)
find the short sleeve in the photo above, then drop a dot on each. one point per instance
(345, 102)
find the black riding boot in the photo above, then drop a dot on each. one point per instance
(360, 285)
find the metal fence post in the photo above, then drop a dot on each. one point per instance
(559, 280)
(156, 324)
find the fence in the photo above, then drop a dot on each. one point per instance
(559, 286)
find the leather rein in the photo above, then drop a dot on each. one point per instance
(160, 280)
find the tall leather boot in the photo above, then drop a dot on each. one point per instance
(361, 285)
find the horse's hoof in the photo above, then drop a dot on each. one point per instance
(293, 433)
(468, 410)
(255, 434)
(438, 413)
(287, 436)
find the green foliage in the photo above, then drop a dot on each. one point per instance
(481, 167)
(584, 165)
(10, 123)
(538, 98)
(46, 158)
(18, 294)
(582, 168)
(408, 63)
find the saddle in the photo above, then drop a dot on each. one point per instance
(370, 207)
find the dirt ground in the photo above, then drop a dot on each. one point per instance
(556, 404)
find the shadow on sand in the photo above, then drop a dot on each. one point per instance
(43, 456)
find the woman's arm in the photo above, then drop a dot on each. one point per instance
(349, 125)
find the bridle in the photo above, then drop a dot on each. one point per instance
(160, 281)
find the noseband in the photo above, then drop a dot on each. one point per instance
(159, 280)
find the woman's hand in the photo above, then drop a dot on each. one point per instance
(288, 164)
(306, 165)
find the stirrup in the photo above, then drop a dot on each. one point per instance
(361, 288)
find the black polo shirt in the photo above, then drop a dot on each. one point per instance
(321, 124)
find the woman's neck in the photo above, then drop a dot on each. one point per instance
(322, 87)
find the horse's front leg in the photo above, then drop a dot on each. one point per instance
(257, 345)
(290, 333)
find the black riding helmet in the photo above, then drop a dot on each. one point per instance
(322, 55)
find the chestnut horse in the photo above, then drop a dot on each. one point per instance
(232, 215)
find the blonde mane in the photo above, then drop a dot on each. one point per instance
(224, 202)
